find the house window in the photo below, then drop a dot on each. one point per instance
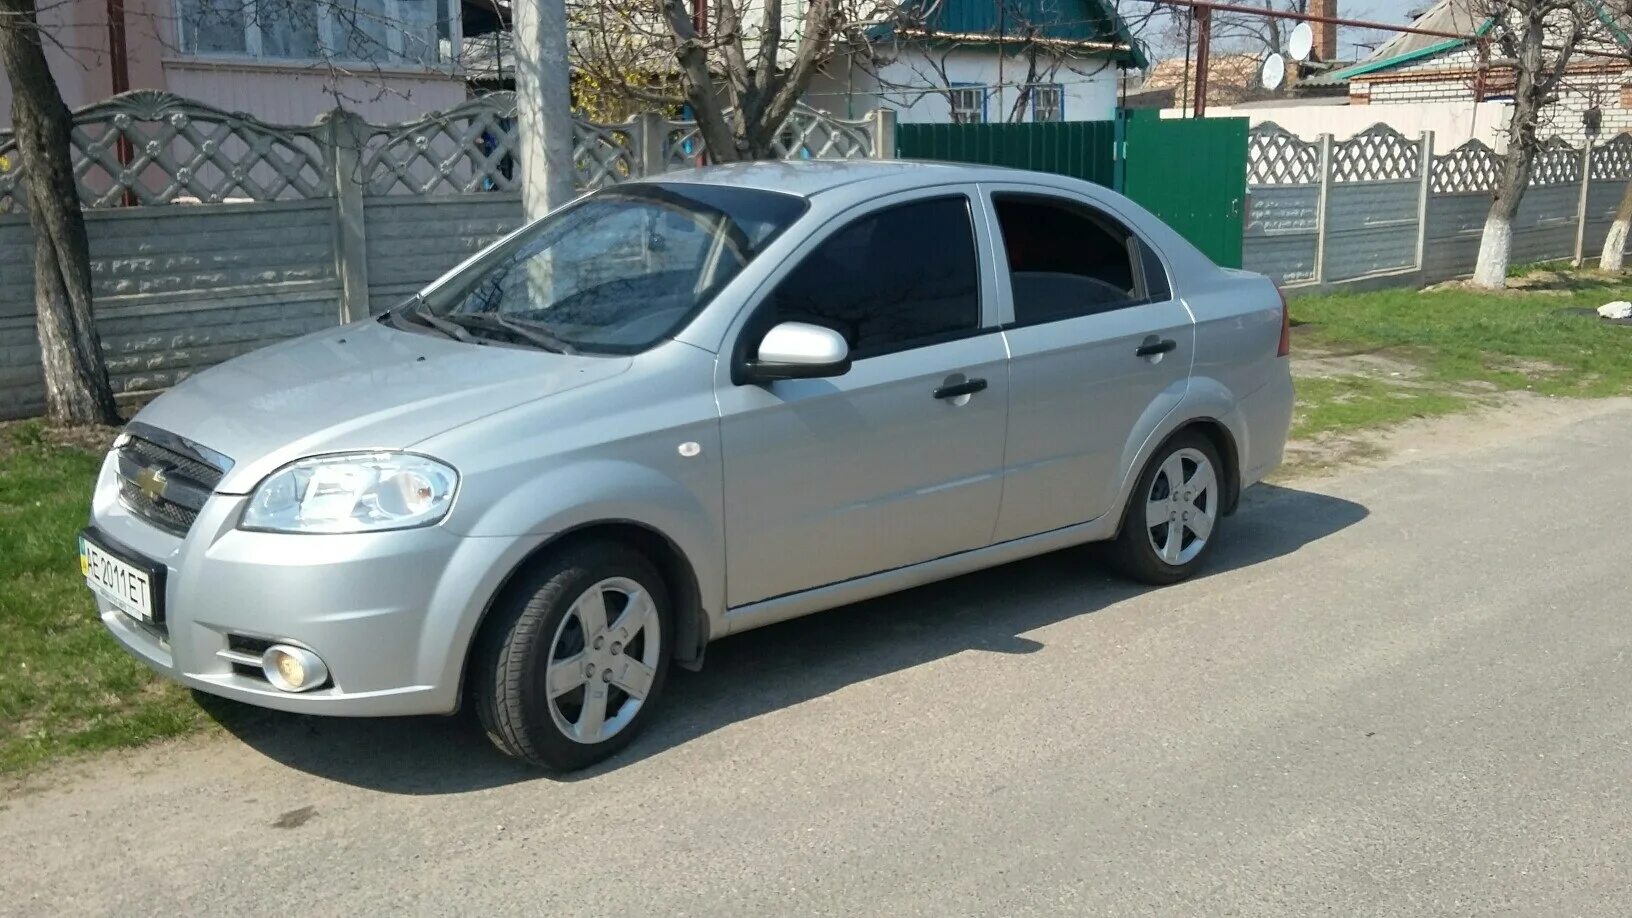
(392, 32)
(1048, 102)
(968, 104)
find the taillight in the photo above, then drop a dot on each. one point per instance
(1285, 347)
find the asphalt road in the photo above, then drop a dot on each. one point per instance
(1402, 690)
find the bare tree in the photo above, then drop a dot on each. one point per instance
(76, 377)
(1536, 39)
(926, 56)
(741, 67)
(922, 58)
(1257, 35)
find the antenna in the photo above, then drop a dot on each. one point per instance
(1274, 71)
(1301, 42)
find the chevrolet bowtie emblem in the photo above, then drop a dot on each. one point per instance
(151, 482)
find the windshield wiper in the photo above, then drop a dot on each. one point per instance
(532, 334)
(420, 311)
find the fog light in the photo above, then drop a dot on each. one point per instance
(293, 669)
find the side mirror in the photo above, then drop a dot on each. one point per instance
(799, 350)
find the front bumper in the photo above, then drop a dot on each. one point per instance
(390, 613)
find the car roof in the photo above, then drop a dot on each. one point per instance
(810, 177)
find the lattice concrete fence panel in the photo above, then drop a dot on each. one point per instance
(1389, 210)
(213, 233)
(1282, 232)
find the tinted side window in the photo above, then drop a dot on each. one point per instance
(902, 277)
(1064, 261)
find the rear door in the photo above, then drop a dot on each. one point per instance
(1099, 348)
(831, 479)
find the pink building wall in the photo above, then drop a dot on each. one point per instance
(278, 93)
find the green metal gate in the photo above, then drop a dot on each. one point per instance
(1191, 172)
(1080, 149)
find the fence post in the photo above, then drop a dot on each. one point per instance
(344, 133)
(1320, 207)
(1581, 205)
(651, 133)
(883, 132)
(1425, 166)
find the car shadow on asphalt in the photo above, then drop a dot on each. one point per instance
(782, 665)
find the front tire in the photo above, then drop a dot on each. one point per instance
(1171, 522)
(573, 657)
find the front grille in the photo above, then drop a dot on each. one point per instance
(163, 513)
(150, 453)
(164, 479)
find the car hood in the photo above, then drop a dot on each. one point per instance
(363, 386)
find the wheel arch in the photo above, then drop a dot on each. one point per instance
(1218, 434)
(1228, 453)
(691, 622)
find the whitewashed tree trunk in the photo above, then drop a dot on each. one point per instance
(1615, 243)
(1495, 250)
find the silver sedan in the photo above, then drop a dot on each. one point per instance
(679, 409)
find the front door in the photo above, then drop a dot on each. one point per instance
(1099, 349)
(831, 479)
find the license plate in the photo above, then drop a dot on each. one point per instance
(129, 588)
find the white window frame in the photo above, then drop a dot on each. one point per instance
(326, 36)
(957, 91)
(1058, 93)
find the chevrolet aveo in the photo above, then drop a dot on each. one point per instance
(675, 410)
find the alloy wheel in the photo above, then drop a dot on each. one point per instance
(603, 660)
(1181, 506)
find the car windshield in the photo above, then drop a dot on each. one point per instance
(614, 273)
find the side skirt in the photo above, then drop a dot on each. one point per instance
(781, 608)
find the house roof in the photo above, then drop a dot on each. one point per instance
(1231, 78)
(1468, 17)
(1085, 23)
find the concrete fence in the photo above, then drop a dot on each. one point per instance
(213, 233)
(1380, 209)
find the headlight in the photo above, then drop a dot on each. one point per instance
(352, 492)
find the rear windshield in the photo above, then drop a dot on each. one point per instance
(620, 270)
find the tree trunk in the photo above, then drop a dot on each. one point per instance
(1496, 244)
(76, 378)
(690, 52)
(1615, 242)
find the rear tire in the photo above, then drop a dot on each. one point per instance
(1173, 514)
(572, 658)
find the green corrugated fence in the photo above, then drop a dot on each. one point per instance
(1080, 149)
(1192, 173)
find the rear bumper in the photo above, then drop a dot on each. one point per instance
(391, 613)
(1267, 414)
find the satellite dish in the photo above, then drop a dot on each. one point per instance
(1301, 42)
(1274, 71)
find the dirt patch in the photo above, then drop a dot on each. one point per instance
(18, 434)
(1498, 419)
(1529, 369)
(1557, 281)
(1379, 364)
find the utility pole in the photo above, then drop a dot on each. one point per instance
(543, 104)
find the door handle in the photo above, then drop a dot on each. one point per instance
(1151, 347)
(967, 387)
